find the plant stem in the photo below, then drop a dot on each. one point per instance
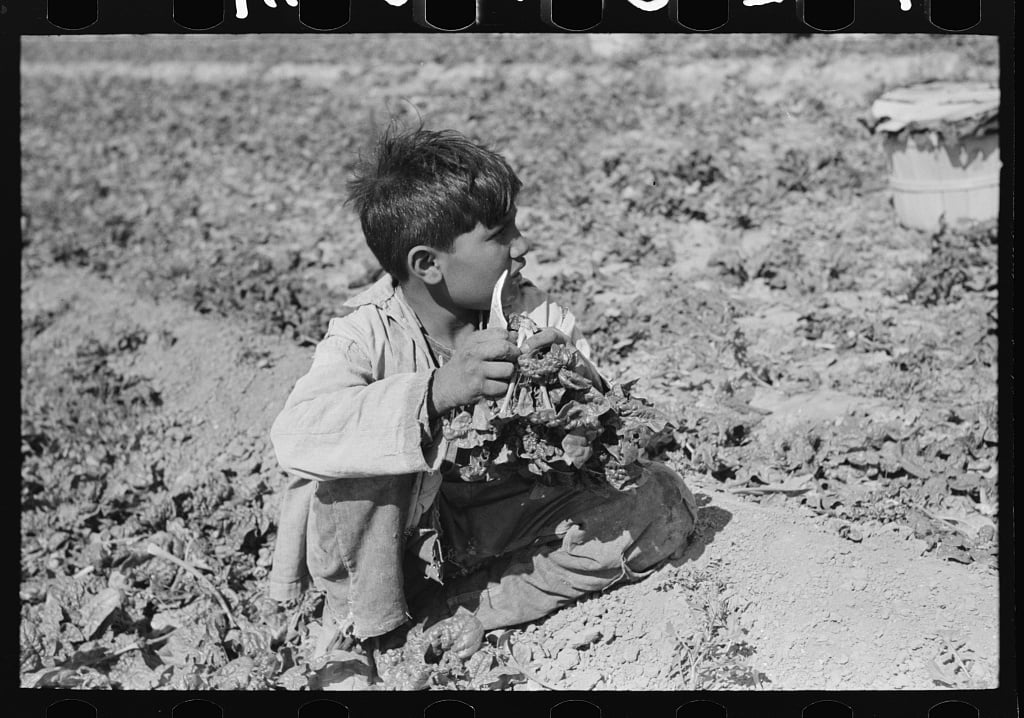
(545, 397)
(161, 553)
(508, 394)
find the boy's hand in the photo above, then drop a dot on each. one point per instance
(545, 337)
(479, 369)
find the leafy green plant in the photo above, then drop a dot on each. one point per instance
(963, 258)
(713, 653)
(557, 426)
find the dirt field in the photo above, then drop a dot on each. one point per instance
(710, 207)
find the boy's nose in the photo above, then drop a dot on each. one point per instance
(520, 246)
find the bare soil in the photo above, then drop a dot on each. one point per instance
(821, 611)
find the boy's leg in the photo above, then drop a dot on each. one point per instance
(565, 544)
(356, 550)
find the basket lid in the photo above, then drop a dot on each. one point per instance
(935, 103)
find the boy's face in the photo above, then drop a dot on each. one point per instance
(476, 260)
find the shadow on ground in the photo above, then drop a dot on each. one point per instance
(710, 521)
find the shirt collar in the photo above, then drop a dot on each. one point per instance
(379, 293)
(388, 297)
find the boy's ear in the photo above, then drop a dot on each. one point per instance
(422, 263)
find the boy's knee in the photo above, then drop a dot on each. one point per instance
(668, 513)
(669, 498)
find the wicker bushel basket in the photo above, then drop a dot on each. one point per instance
(941, 141)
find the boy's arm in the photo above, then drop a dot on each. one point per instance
(340, 422)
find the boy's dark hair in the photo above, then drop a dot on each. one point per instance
(428, 187)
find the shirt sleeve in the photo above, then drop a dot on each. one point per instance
(341, 421)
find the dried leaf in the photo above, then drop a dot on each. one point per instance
(851, 533)
(953, 553)
(940, 674)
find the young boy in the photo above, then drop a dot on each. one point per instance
(374, 517)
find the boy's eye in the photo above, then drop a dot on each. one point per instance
(504, 234)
